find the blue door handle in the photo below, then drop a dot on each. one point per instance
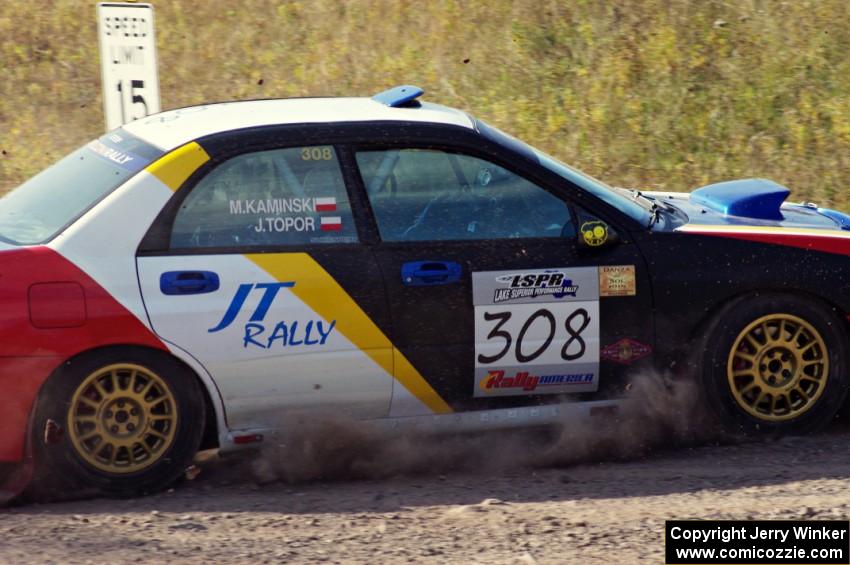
(429, 273)
(188, 282)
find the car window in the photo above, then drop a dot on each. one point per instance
(293, 196)
(430, 195)
(32, 214)
(610, 196)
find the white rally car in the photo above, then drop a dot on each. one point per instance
(192, 278)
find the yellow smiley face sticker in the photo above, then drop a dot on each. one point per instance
(595, 233)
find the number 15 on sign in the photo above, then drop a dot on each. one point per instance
(128, 89)
(128, 62)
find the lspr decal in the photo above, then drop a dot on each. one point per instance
(524, 285)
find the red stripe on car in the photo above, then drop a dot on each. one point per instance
(815, 242)
(31, 349)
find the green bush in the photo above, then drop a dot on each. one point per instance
(659, 94)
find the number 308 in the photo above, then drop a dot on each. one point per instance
(316, 154)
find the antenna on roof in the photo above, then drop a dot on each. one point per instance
(399, 96)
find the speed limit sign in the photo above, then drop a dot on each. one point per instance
(127, 62)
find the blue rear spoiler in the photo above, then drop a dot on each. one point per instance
(399, 96)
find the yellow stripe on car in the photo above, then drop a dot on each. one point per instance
(174, 168)
(318, 289)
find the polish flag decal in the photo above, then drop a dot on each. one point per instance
(325, 204)
(331, 223)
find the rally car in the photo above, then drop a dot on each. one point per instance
(194, 277)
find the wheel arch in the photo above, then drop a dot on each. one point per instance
(214, 416)
(686, 357)
(712, 314)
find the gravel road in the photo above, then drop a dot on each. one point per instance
(598, 512)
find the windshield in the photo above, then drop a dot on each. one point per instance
(626, 204)
(48, 202)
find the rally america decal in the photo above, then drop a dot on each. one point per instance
(536, 331)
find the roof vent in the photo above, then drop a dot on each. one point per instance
(400, 96)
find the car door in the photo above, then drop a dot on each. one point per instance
(502, 292)
(256, 269)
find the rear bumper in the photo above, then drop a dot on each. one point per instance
(20, 380)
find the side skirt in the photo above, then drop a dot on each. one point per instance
(480, 420)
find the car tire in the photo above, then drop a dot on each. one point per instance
(775, 364)
(121, 422)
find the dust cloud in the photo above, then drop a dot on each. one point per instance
(658, 412)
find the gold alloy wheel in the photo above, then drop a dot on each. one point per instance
(778, 367)
(122, 418)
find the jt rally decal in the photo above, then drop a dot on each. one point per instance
(122, 158)
(536, 331)
(284, 333)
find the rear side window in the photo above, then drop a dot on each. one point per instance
(53, 199)
(293, 196)
(430, 195)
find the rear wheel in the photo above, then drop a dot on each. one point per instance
(776, 363)
(123, 421)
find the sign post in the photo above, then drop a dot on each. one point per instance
(127, 62)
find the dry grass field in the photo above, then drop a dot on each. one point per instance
(661, 94)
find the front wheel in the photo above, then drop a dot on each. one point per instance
(775, 364)
(121, 421)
